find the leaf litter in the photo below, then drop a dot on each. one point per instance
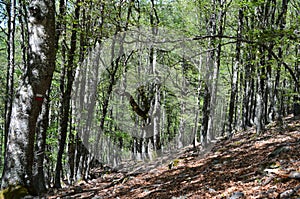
(245, 166)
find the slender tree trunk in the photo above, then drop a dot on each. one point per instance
(234, 81)
(197, 108)
(154, 21)
(71, 145)
(10, 9)
(213, 68)
(259, 111)
(205, 115)
(209, 77)
(19, 154)
(71, 152)
(246, 96)
(66, 98)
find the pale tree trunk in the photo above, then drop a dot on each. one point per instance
(216, 60)
(276, 112)
(19, 154)
(153, 136)
(259, 109)
(210, 61)
(156, 120)
(182, 123)
(197, 108)
(42, 126)
(154, 21)
(23, 20)
(234, 81)
(270, 103)
(213, 69)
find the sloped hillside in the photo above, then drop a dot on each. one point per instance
(247, 166)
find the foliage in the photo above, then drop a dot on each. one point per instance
(256, 40)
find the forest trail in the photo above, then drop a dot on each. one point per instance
(246, 166)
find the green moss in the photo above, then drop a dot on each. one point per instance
(13, 192)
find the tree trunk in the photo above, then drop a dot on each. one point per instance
(10, 9)
(234, 81)
(205, 115)
(19, 154)
(259, 111)
(66, 98)
(197, 108)
(154, 21)
(42, 126)
(213, 69)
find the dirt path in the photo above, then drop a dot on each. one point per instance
(247, 166)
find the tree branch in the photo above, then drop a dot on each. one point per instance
(286, 66)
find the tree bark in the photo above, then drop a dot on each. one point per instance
(156, 111)
(205, 115)
(19, 154)
(10, 9)
(213, 68)
(234, 81)
(42, 126)
(66, 97)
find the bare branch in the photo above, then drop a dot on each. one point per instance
(259, 43)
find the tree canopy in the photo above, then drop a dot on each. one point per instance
(89, 83)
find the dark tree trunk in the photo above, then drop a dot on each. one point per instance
(71, 153)
(205, 116)
(19, 154)
(66, 98)
(10, 9)
(72, 145)
(246, 97)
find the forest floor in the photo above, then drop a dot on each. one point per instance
(246, 166)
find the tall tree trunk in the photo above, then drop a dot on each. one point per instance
(9, 91)
(197, 108)
(66, 97)
(19, 154)
(10, 9)
(259, 111)
(71, 145)
(213, 68)
(154, 21)
(234, 81)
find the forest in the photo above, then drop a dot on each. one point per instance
(91, 84)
